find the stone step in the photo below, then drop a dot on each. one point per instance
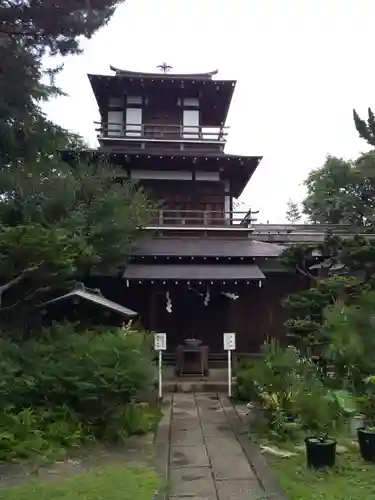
(215, 374)
(190, 384)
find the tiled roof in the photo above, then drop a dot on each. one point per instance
(193, 272)
(96, 298)
(206, 247)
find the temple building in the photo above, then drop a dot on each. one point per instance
(201, 268)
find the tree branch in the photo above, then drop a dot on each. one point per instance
(25, 299)
(18, 279)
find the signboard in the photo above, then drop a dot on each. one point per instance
(160, 341)
(229, 341)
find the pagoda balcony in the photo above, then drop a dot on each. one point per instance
(202, 220)
(153, 135)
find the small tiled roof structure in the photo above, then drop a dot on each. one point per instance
(95, 297)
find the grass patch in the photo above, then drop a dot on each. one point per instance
(350, 479)
(114, 482)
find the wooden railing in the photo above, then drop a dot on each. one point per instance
(161, 132)
(203, 218)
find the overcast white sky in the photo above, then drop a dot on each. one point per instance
(301, 66)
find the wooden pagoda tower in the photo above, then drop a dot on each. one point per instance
(198, 271)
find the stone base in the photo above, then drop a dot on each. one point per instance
(216, 381)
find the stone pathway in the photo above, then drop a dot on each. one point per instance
(207, 460)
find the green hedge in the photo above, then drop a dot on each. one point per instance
(68, 387)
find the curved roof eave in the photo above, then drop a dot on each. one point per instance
(122, 72)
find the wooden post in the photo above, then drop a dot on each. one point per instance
(205, 218)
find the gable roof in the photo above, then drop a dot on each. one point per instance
(95, 297)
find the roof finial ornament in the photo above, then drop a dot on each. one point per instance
(164, 67)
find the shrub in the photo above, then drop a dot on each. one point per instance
(286, 386)
(351, 350)
(130, 420)
(66, 387)
(313, 406)
(42, 431)
(245, 389)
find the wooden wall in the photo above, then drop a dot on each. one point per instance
(258, 313)
(255, 316)
(169, 115)
(189, 317)
(184, 195)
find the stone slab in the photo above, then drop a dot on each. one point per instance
(183, 399)
(267, 478)
(185, 424)
(190, 482)
(188, 456)
(208, 404)
(187, 437)
(239, 490)
(185, 413)
(239, 468)
(207, 396)
(213, 417)
(218, 430)
(228, 446)
(211, 413)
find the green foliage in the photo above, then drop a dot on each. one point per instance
(58, 223)
(306, 310)
(299, 257)
(63, 220)
(84, 200)
(293, 213)
(34, 261)
(245, 389)
(285, 385)
(112, 481)
(61, 223)
(365, 129)
(303, 258)
(345, 401)
(67, 387)
(130, 420)
(350, 328)
(28, 33)
(41, 431)
(342, 192)
(358, 254)
(350, 479)
(366, 401)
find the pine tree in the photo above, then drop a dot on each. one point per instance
(293, 213)
(366, 129)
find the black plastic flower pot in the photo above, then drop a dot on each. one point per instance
(290, 418)
(366, 441)
(320, 453)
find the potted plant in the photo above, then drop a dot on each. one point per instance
(366, 434)
(320, 448)
(320, 451)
